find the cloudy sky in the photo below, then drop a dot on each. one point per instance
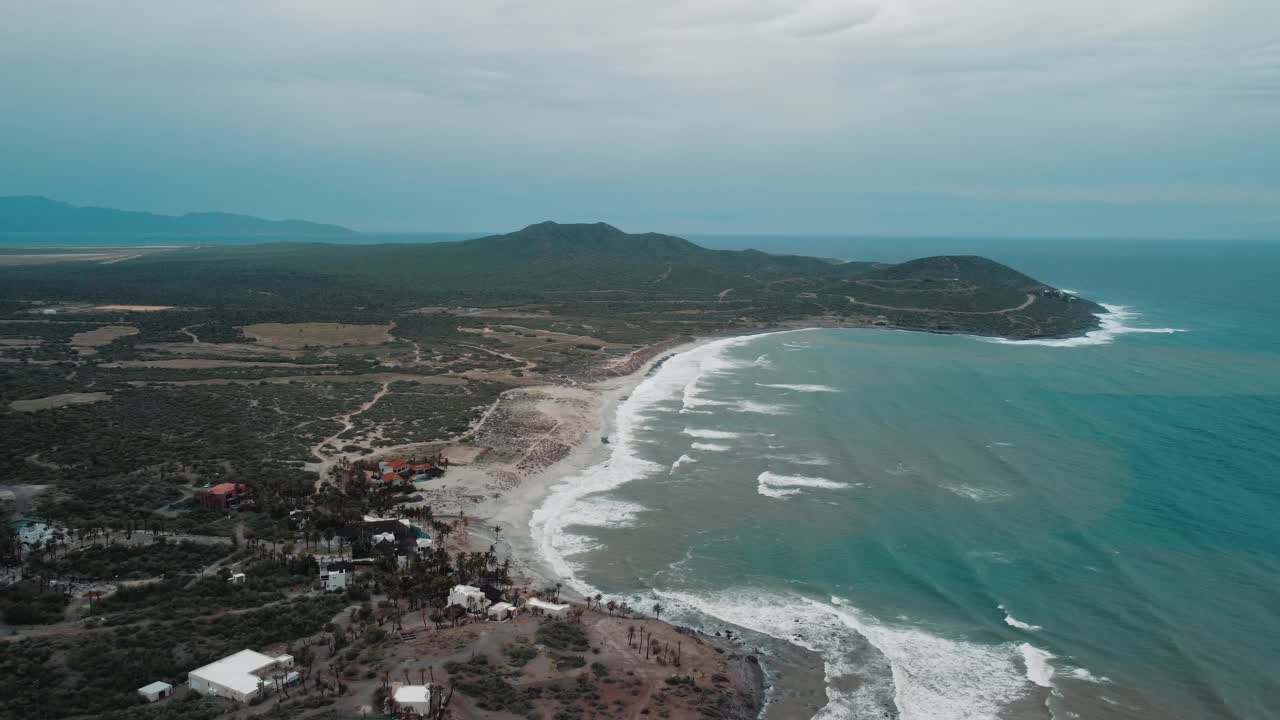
(1147, 118)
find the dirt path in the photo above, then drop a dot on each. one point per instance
(1031, 297)
(187, 331)
(326, 463)
(528, 364)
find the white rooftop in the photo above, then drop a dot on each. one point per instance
(155, 687)
(412, 694)
(236, 671)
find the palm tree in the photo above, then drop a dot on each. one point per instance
(657, 610)
(611, 606)
(598, 598)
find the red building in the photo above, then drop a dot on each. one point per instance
(221, 497)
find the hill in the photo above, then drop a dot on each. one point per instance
(595, 270)
(33, 214)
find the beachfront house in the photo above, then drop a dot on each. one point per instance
(470, 597)
(243, 676)
(542, 607)
(501, 611)
(155, 691)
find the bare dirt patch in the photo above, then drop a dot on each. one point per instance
(56, 401)
(85, 342)
(20, 342)
(206, 364)
(302, 335)
(231, 350)
(134, 308)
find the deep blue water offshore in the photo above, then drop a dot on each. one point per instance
(964, 528)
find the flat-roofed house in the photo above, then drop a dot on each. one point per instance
(155, 691)
(555, 610)
(415, 699)
(242, 676)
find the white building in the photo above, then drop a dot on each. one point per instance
(237, 579)
(553, 609)
(241, 676)
(469, 597)
(413, 699)
(156, 691)
(501, 611)
(336, 576)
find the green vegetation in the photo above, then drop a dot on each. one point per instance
(563, 636)
(104, 667)
(132, 562)
(25, 603)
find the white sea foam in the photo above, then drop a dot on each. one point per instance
(568, 502)
(711, 434)
(933, 678)
(710, 447)
(1085, 676)
(1113, 324)
(682, 460)
(779, 486)
(601, 511)
(800, 387)
(811, 459)
(763, 362)
(1012, 621)
(759, 408)
(1039, 671)
(977, 494)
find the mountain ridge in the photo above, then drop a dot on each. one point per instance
(39, 214)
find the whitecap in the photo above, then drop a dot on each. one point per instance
(811, 459)
(778, 486)
(759, 408)
(682, 460)
(1039, 671)
(711, 434)
(1012, 621)
(977, 494)
(1112, 325)
(710, 447)
(763, 362)
(601, 511)
(800, 387)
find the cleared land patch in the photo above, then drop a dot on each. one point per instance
(85, 342)
(56, 401)
(302, 335)
(207, 364)
(134, 308)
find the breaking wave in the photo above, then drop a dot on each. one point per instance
(871, 665)
(710, 447)
(800, 387)
(711, 434)
(1014, 622)
(1113, 324)
(779, 486)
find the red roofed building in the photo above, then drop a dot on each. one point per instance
(391, 478)
(221, 497)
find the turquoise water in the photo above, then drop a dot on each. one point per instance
(968, 529)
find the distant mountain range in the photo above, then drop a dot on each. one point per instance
(34, 214)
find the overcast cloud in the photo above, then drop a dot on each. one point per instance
(941, 117)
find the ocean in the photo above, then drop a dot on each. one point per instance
(964, 528)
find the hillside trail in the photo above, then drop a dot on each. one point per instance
(1031, 298)
(326, 462)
